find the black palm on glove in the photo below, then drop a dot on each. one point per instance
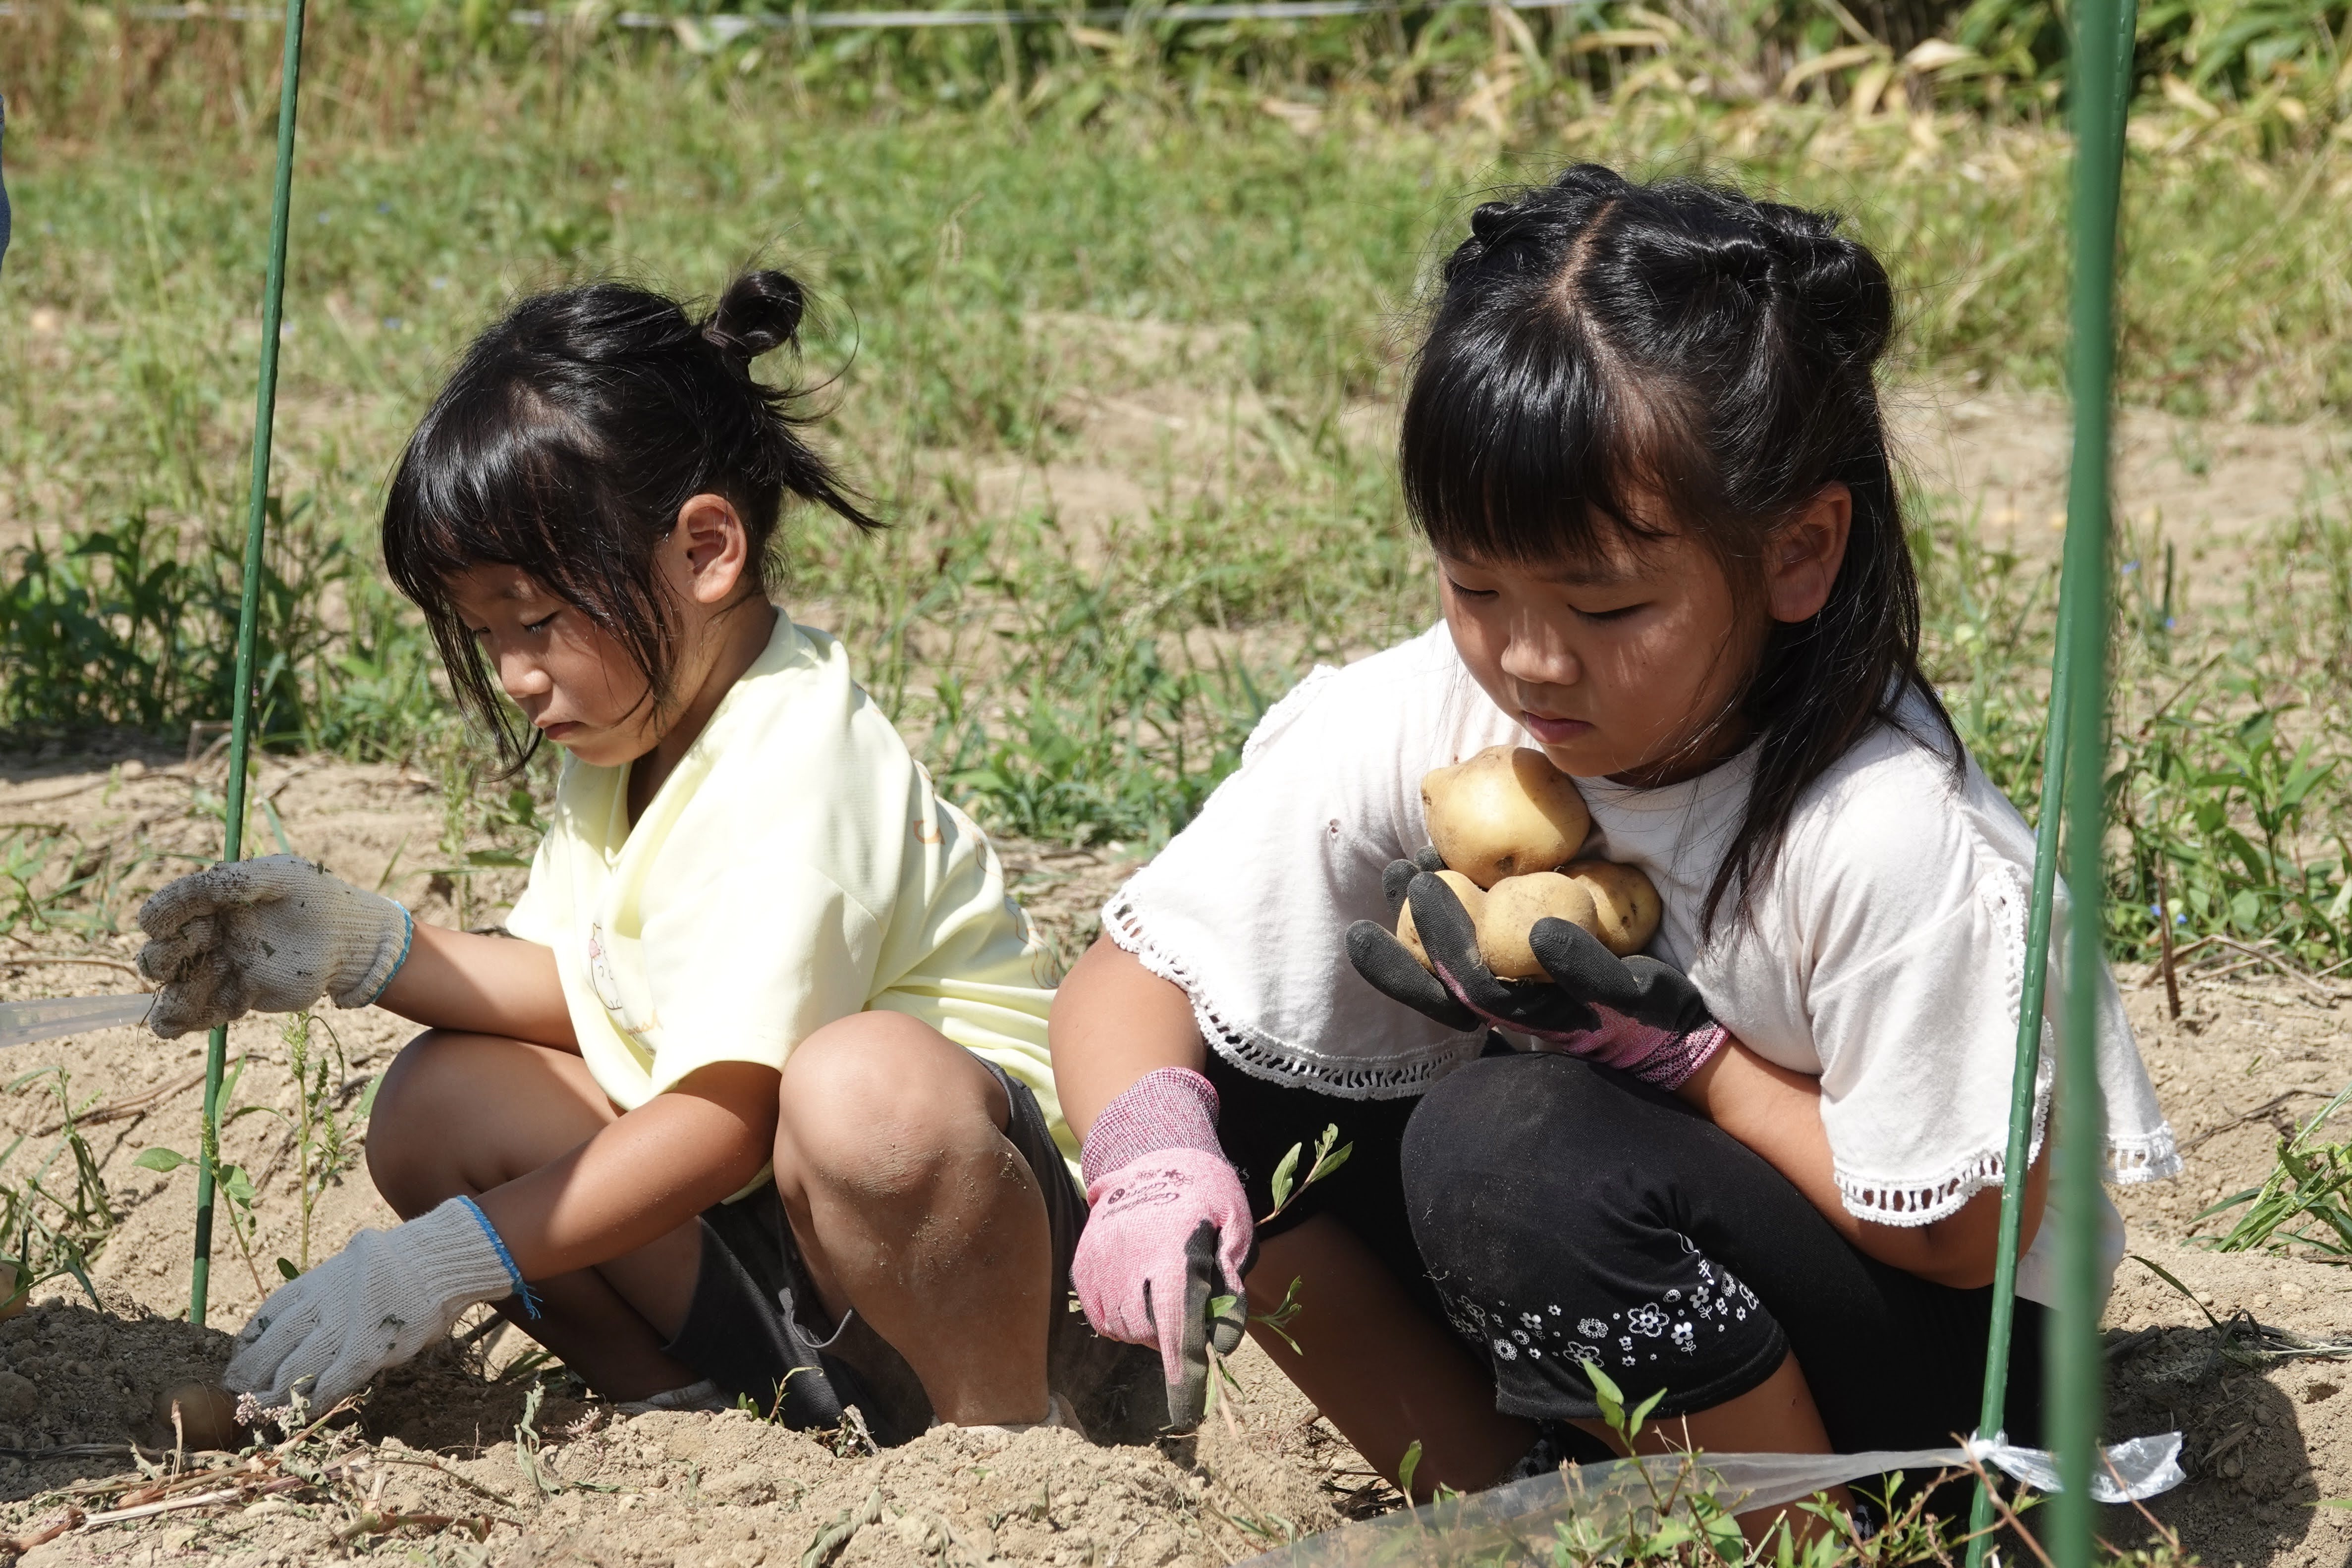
(1633, 1013)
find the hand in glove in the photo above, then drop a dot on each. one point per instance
(380, 1300)
(272, 935)
(1633, 1014)
(1168, 1233)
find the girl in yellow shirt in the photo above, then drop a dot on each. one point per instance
(755, 1100)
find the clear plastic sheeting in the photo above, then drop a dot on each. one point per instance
(23, 1023)
(1518, 1523)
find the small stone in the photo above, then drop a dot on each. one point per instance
(743, 1484)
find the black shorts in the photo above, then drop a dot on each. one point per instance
(1554, 1212)
(1569, 1214)
(756, 1328)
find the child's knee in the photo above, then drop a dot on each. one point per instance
(1522, 1151)
(869, 1109)
(406, 1158)
(1503, 1113)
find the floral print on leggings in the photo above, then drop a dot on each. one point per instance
(1628, 1336)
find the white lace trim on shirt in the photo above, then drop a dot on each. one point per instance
(1343, 1077)
(1883, 1201)
(2154, 1157)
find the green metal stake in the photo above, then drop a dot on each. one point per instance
(2077, 688)
(248, 616)
(2103, 38)
(1993, 1415)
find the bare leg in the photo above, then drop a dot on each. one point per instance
(1374, 1362)
(913, 1208)
(1776, 1417)
(462, 1113)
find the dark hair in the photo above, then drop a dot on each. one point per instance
(564, 444)
(1596, 342)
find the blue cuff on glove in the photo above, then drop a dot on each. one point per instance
(522, 1292)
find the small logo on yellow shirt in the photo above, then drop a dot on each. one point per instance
(600, 971)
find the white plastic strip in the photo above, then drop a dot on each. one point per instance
(23, 1023)
(1515, 1523)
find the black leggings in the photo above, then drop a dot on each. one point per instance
(1567, 1213)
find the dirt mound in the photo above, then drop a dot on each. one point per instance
(442, 1455)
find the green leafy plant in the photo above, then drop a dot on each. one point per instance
(57, 1219)
(330, 1107)
(1284, 1186)
(232, 1182)
(2307, 1197)
(324, 1145)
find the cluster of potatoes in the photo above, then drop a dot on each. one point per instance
(1508, 824)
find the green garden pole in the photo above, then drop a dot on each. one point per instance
(2101, 81)
(248, 616)
(2098, 182)
(1991, 1417)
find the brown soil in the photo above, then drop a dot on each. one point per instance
(2263, 1444)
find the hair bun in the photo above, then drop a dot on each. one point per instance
(760, 311)
(1832, 279)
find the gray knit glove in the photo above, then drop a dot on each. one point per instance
(270, 936)
(376, 1303)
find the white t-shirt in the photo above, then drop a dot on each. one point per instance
(1885, 955)
(793, 869)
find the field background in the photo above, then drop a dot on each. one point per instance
(1112, 322)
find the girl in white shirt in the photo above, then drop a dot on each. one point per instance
(758, 1106)
(1757, 1169)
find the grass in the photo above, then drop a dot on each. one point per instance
(994, 274)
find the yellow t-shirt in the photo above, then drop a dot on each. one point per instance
(796, 868)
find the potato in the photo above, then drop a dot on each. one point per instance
(11, 1303)
(1514, 905)
(1503, 812)
(1625, 905)
(207, 1416)
(1472, 896)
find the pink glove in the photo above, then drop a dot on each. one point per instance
(1168, 1233)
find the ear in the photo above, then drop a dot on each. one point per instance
(1801, 559)
(714, 547)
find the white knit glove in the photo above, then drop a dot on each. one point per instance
(381, 1299)
(272, 936)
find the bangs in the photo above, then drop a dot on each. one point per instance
(500, 475)
(1523, 446)
(489, 479)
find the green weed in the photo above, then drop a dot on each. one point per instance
(2228, 815)
(321, 1129)
(129, 626)
(55, 1219)
(2307, 1197)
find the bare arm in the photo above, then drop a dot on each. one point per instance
(482, 984)
(1778, 1113)
(1113, 1020)
(643, 1175)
